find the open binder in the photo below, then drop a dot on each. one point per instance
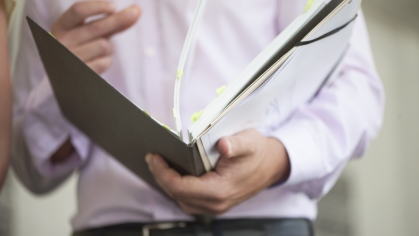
(288, 73)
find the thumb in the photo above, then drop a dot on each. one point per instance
(241, 144)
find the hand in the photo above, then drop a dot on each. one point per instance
(90, 41)
(249, 163)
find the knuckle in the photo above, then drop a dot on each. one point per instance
(100, 67)
(220, 196)
(103, 65)
(219, 208)
(78, 9)
(95, 28)
(103, 45)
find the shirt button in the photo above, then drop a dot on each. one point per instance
(150, 52)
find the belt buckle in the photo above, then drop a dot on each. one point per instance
(161, 226)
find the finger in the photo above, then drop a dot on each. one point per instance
(238, 145)
(100, 65)
(163, 174)
(131, 14)
(182, 187)
(166, 177)
(105, 27)
(224, 202)
(80, 11)
(94, 49)
(159, 167)
(193, 210)
(204, 208)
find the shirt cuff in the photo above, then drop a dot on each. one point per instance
(303, 152)
(45, 130)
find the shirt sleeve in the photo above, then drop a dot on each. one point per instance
(45, 130)
(39, 128)
(338, 124)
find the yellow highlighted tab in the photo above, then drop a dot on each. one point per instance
(179, 74)
(196, 116)
(174, 113)
(51, 34)
(166, 127)
(221, 89)
(308, 5)
(146, 113)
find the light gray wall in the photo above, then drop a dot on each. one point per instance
(385, 196)
(47, 215)
(6, 213)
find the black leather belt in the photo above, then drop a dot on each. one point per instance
(239, 227)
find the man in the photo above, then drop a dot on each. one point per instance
(5, 96)
(262, 185)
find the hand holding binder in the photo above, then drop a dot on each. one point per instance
(249, 163)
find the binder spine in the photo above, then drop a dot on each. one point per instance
(197, 163)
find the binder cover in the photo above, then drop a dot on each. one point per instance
(107, 117)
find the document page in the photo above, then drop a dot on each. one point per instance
(293, 85)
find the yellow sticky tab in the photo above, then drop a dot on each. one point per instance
(51, 34)
(179, 74)
(196, 116)
(220, 90)
(308, 5)
(166, 127)
(146, 113)
(174, 113)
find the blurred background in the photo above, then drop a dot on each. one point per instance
(377, 195)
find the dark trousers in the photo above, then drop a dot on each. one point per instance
(242, 227)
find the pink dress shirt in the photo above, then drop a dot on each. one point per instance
(321, 137)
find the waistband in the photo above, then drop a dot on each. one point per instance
(236, 227)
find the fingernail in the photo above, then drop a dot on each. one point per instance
(229, 147)
(112, 5)
(132, 12)
(148, 158)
